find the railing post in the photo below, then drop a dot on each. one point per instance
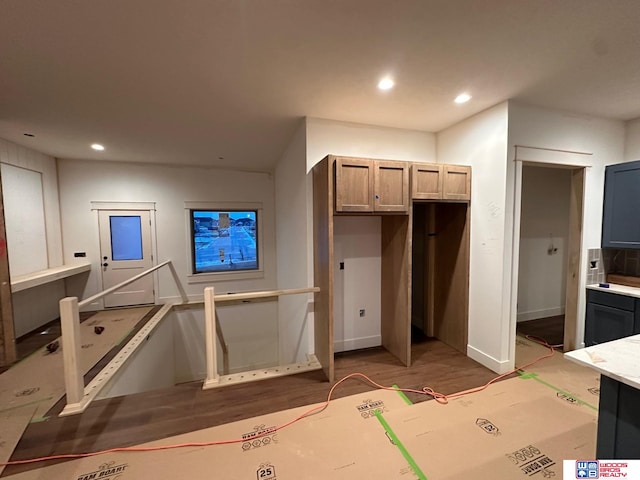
(211, 338)
(70, 323)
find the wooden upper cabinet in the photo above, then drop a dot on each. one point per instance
(456, 182)
(366, 185)
(391, 186)
(436, 181)
(426, 181)
(354, 185)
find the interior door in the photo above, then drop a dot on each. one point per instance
(125, 251)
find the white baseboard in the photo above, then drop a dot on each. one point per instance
(543, 313)
(357, 343)
(488, 361)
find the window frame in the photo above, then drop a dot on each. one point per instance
(208, 277)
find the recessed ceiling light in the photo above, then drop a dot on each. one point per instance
(386, 83)
(97, 146)
(463, 98)
(28, 134)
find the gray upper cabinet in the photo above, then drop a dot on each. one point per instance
(621, 216)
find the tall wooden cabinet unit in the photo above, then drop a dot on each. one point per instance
(358, 186)
(333, 178)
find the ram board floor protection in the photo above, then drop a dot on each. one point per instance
(31, 387)
(344, 441)
(516, 428)
(571, 382)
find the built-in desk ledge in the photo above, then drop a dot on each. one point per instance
(619, 289)
(23, 282)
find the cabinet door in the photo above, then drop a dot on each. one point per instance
(354, 185)
(391, 186)
(621, 216)
(456, 183)
(426, 181)
(604, 324)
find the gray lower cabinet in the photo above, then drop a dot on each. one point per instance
(610, 316)
(618, 421)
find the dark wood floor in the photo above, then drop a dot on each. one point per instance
(154, 415)
(550, 329)
(38, 338)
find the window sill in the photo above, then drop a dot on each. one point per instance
(224, 276)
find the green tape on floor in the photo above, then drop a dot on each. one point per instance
(396, 441)
(401, 393)
(531, 375)
(34, 402)
(39, 419)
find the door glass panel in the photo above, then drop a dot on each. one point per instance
(126, 237)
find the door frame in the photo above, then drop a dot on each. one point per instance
(129, 206)
(579, 163)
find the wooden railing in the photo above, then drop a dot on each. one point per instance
(77, 398)
(213, 332)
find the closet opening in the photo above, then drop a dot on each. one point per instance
(440, 273)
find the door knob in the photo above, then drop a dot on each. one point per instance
(105, 264)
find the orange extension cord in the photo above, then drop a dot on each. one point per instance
(438, 397)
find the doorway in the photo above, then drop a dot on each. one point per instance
(549, 253)
(126, 251)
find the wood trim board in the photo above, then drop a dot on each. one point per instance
(572, 292)
(396, 286)
(8, 354)
(322, 268)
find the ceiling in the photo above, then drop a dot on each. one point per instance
(226, 83)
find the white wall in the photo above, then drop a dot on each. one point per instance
(295, 312)
(326, 137)
(19, 156)
(36, 306)
(82, 182)
(544, 233)
(150, 367)
(22, 196)
(632, 140)
(481, 141)
(252, 328)
(602, 140)
(356, 242)
(250, 332)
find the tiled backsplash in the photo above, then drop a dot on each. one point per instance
(596, 272)
(610, 260)
(623, 262)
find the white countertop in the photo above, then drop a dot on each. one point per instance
(619, 289)
(619, 359)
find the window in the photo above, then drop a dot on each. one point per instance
(224, 240)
